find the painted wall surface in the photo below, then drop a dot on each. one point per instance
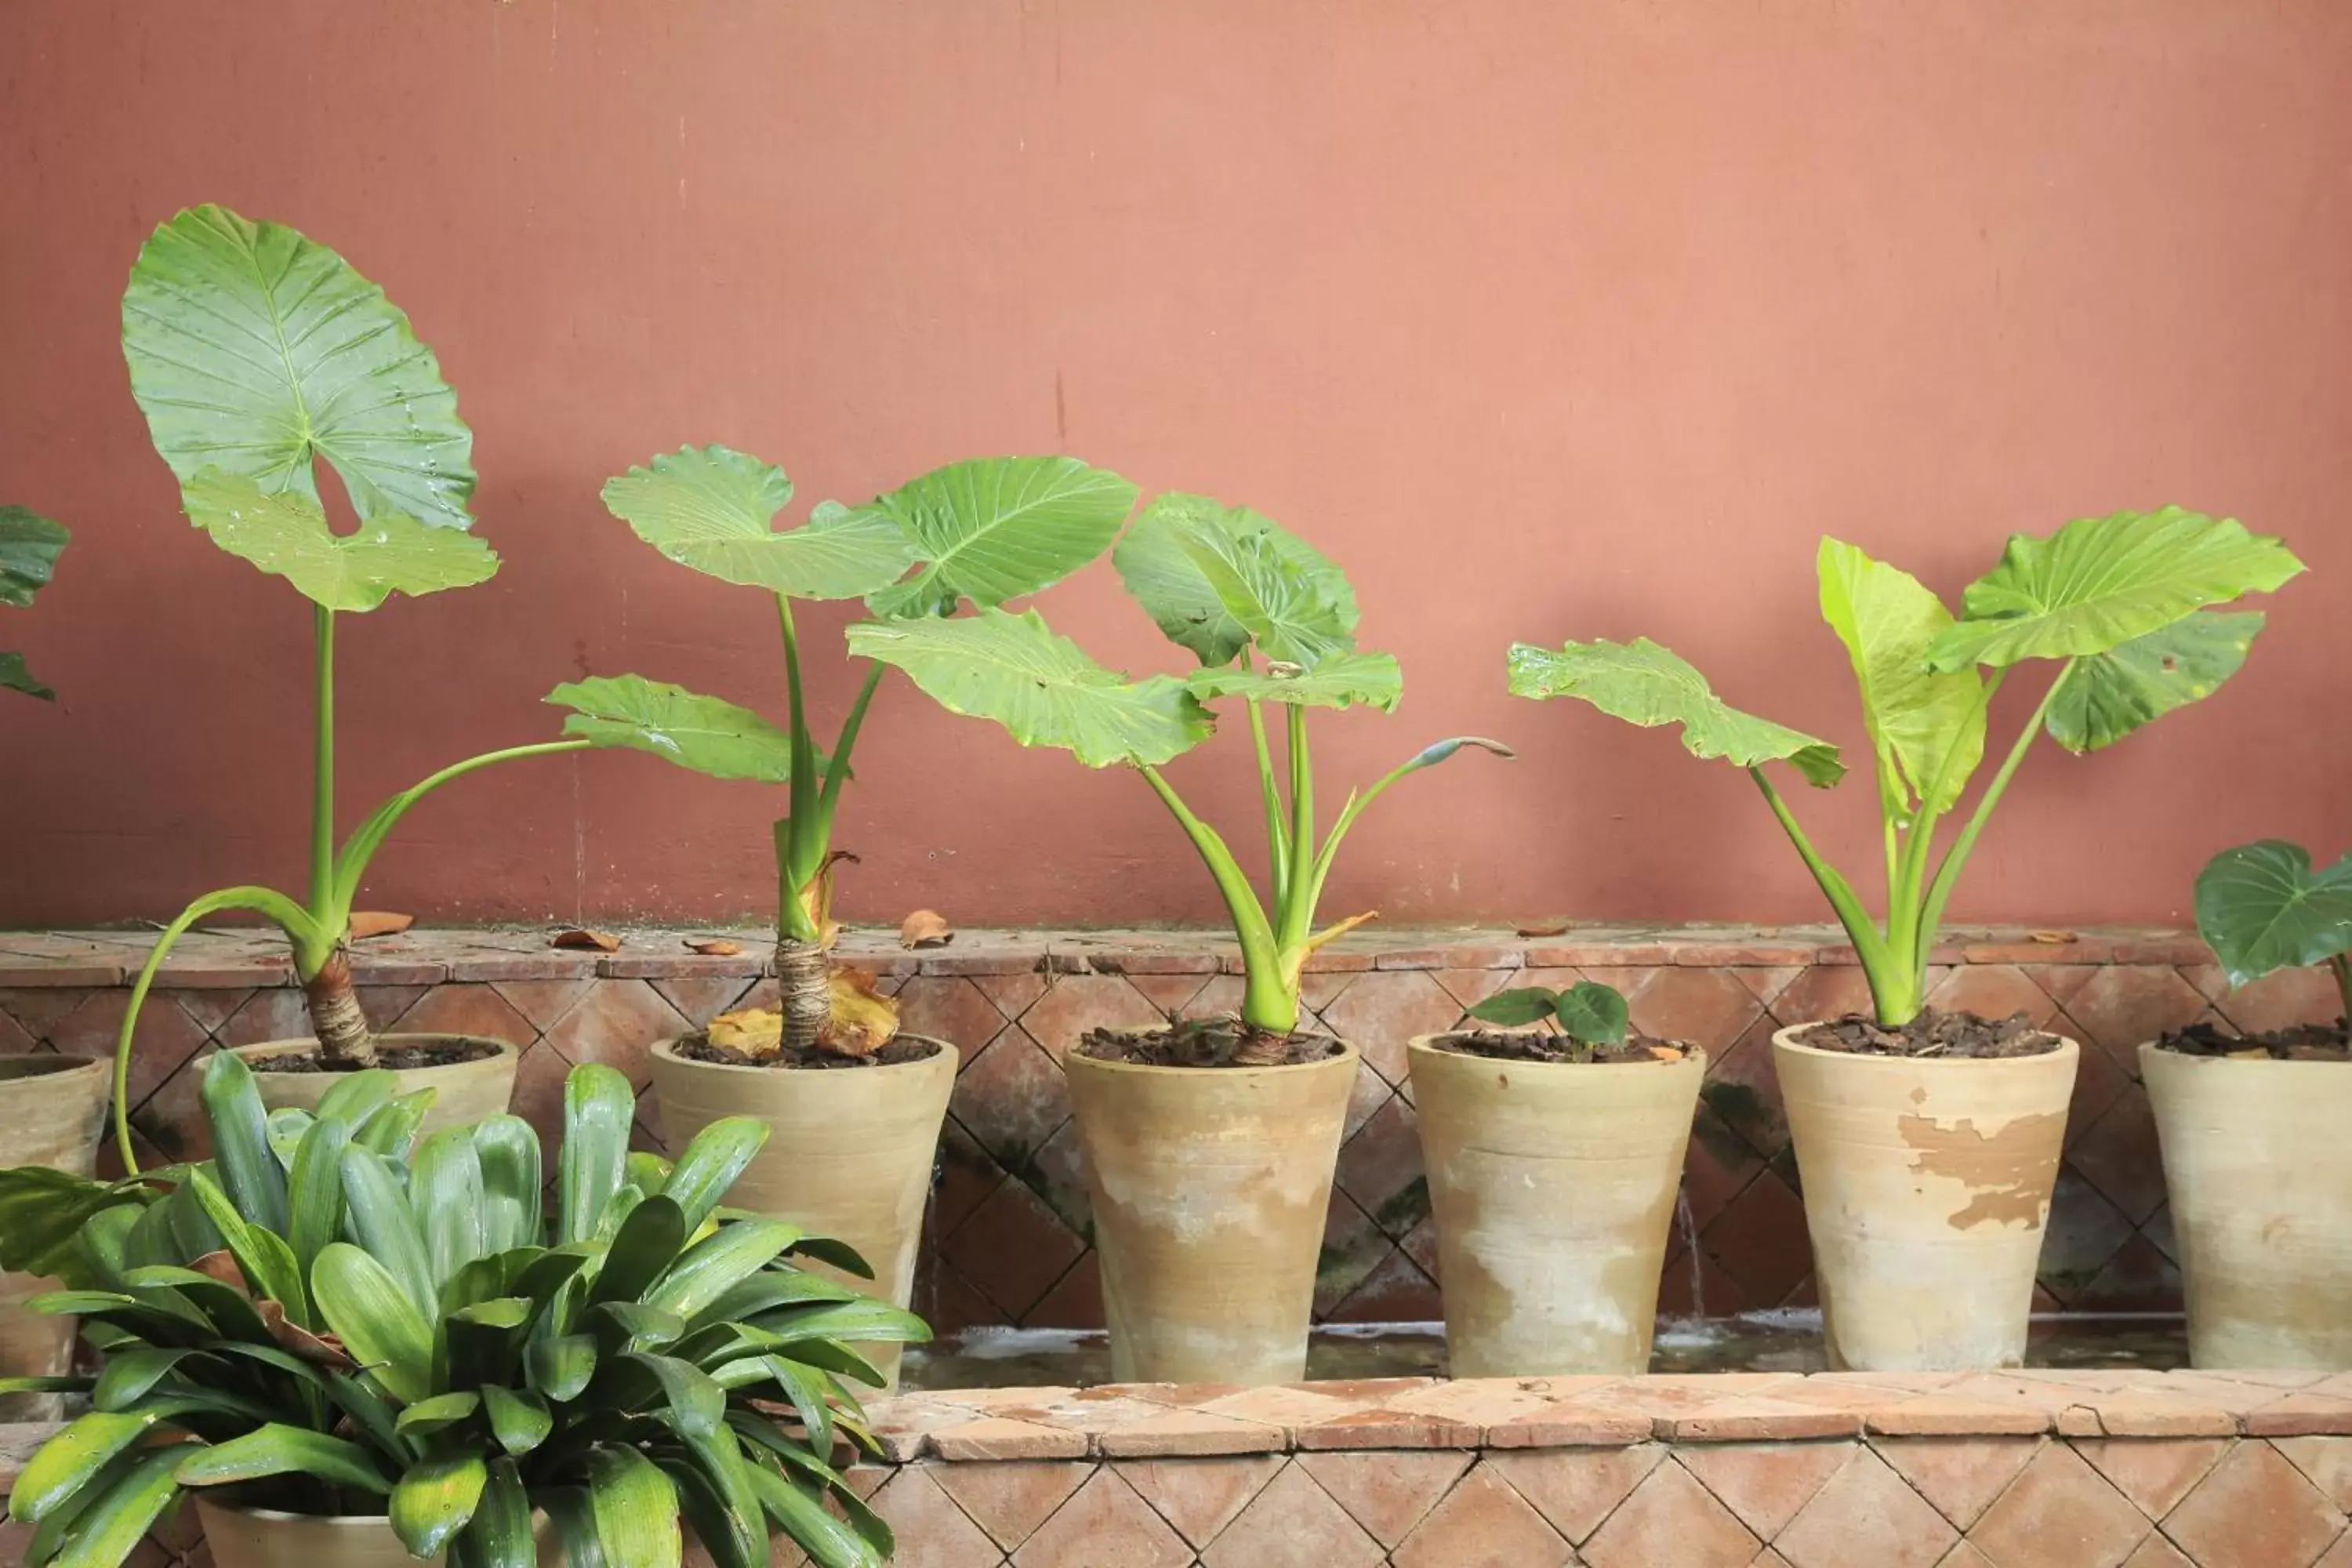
(1544, 319)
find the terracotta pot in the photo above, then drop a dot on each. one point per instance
(2258, 1159)
(1210, 1190)
(53, 1113)
(1553, 1185)
(850, 1155)
(1926, 1189)
(462, 1095)
(262, 1538)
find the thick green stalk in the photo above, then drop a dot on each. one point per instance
(1948, 875)
(323, 778)
(1267, 1004)
(351, 860)
(804, 779)
(836, 770)
(1277, 836)
(1890, 988)
(1295, 913)
(1905, 902)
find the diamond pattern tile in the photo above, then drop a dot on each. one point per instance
(1292, 1524)
(1484, 1523)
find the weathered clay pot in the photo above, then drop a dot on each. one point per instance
(52, 1113)
(1210, 1190)
(1553, 1185)
(1926, 1189)
(2258, 1159)
(262, 1538)
(462, 1095)
(849, 1154)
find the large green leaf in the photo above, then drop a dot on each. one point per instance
(277, 1449)
(519, 1417)
(1927, 729)
(705, 734)
(1339, 680)
(507, 1149)
(444, 1193)
(253, 350)
(2260, 907)
(377, 1216)
(561, 1366)
(715, 1157)
(801, 1514)
(29, 547)
(2107, 695)
(105, 1532)
(1593, 1012)
(1644, 684)
(499, 1535)
(635, 1507)
(1216, 579)
(65, 1464)
(1040, 687)
(249, 1169)
(374, 1318)
(435, 1500)
(2100, 582)
(992, 529)
(598, 1105)
(42, 1212)
(717, 1263)
(287, 536)
(711, 508)
(314, 1190)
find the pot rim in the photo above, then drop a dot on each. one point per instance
(1427, 1045)
(2154, 1051)
(264, 1049)
(2067, 1046)
(279, 1515)
(667, 1051)
(65, 1068)
(1349, 1055)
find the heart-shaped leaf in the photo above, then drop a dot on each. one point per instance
(1340, 681)
(2261, 907)
(1592, 1013)
(1644, 684)
(1216, 579)
(287, 536)
(994, 529)
(713, 510)
(2109, 695)
(704, 734)
(1040, 687)
(253, 350)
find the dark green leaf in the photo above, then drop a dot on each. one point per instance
(646, 1244)
(715, 1265)
(801, 1514)
(507, 1149)
(635, 1380)
(519, 1419)
(108, 1529)
(1592, 1013)
(277, 1449)
(428, 1417)
(129, 1375)
(249, 1171)
(2260, 907)
(1516, 1008)
(1216, 580)
(29, 547)
(597, 1108)
(635, 1510)
(2107, 695)
(435, 1500)
(716, 1156)
(499, 1535)
(561, 1366)
(375, 1319)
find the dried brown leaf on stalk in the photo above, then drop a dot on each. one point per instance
(1544, 928)
(713, 946)
(862, 1020)
(221, 1265)
(319, 1350)
(756, 1032)
(587, 940)
(925, 927)
(367, 923)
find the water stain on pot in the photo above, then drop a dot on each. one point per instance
(2008, 1172)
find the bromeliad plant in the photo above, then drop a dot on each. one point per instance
(322, 1320)
(985, 531)
(2261, 908)
(2118, 602)
(1271, 621)
(255, 355)
(29, 547)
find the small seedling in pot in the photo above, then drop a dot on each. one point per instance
(1588, 1013)
(2118, 602)
(985, 531)
(29, 547)
(1272, 622)
(256, 354)
(2261, 908)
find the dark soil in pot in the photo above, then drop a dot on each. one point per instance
(399, 1058)
(1512, 1046)
(697, 1046)
(1932, 1034)
(1216, 1042)
(2299, 1043)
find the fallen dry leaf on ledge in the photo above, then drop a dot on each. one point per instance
(713, 946)
(365, 924)
(925, 927)
(587, 940)
(2053, 938)
(1544, 928)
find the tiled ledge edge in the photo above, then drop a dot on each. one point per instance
(226, 959)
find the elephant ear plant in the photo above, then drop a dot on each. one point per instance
(985, 531)
(256, 354)
(2118, 602)
(2261, 908)
(324, 1319)
(1271, 623)
(29, 547)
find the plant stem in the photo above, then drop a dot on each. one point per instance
(1277, 836)
(337, 1020)
(836, 770)
(1267, 1004)
(1948, 875)
(1890, 990)
(323, 767)
(1904, 898)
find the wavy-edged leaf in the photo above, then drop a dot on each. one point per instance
(561, 1366)
(713, 1267)
(278, 1449)
(1215, 579)
(287, 536)
(507, 1148)
(373, 1314)
(445, 1194)
(2107, 695)
(253, 349)
(1646, 685)
(711, 1162)
(241, 1151)
(2260, 907)
(29, 547)
(1039, 685)
(635, 1507)
(435, 1500)
(377, 1216)
(1341, 680)
(107, 1528)
(1927, 729)
(992, 529)
(702, 735)
(714, 510)
(2100, 582)
(519, 1419)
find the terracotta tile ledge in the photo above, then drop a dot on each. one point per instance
(222, 959)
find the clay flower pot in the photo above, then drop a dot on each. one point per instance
(1553, 1185)
(463, 1094)
(262, 1538)
(2258, 1159)
(1209, 1189)
(52, 1113)
(849, 1153)
(1927, 1187)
